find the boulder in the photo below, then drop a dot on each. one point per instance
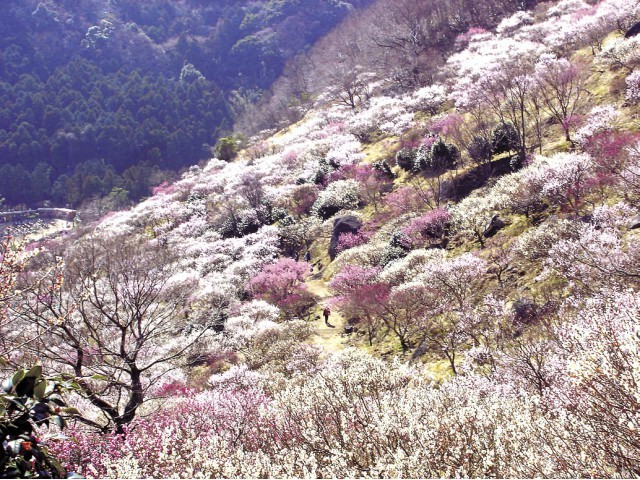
(346, 224)
(351, 325)
(633, 31)
(493, 226)
(588, 218)
(634, 223)
(422, 349)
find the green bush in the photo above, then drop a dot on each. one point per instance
(406, 159)
(504, 138)
(226, 148)
(29, 401)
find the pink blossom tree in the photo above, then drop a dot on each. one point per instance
(360, 294)
(349, 240)
(561, 87)
(373, 184)
(282, 284)
(428, 227)
(407, 199)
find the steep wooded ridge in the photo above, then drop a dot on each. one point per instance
(463, 197)
(105, 96)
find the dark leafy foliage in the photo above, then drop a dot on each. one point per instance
(226, 148)
(383, 169)
(504, 138)
(439, 157)
(406, 159)
(28, 403)
(398, 247)
(480, 149)
(130, 83)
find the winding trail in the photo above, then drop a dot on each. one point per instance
(331, 339)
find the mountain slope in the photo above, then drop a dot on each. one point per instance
(489, 270)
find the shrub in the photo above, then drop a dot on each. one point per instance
(504, 138)
(480, 149)
(383, 168)
(406, 159)
(339, 195)
(28, 402)
(226, 148)
(399, 246)
(441, 156)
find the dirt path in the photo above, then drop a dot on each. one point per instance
(331, 339)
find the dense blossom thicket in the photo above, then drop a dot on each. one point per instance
(491, 283)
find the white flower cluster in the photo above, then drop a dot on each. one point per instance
(428, 99)
(620, 52)
(565, 7)
(339, 195)
(536, 242)
(633, 86)
(601, 119)
(514, 22)
(344, 150)
(356, 416)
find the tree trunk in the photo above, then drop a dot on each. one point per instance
(136, 399)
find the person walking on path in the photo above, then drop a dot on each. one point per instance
(326, 312)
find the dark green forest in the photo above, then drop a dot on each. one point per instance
(112, 97)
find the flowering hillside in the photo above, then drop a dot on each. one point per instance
(474, 239)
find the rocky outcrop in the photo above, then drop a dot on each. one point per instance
(634, 223)
(493, 226)
(346, 224)
(633, 31)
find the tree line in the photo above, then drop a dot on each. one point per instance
(149, 86)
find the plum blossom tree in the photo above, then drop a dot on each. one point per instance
(11, 264)
(373, 184)
(339, 195)
(498, 75)
(534, 244)
(598, 348)
(282, 284)
(302, 199)
(561, 86)
(471, 216)
(116, 325)
(408, 199)
(350, 84)
(360, 294)
(453, 285)
(565, 7)
(514, 22)
(428, 227)
(565, 178)
(630, 174)
(297, 235)
(621, 53)
(594, 258)
(633, 86)
(602, 118)
(349, 240)
(189, 430)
